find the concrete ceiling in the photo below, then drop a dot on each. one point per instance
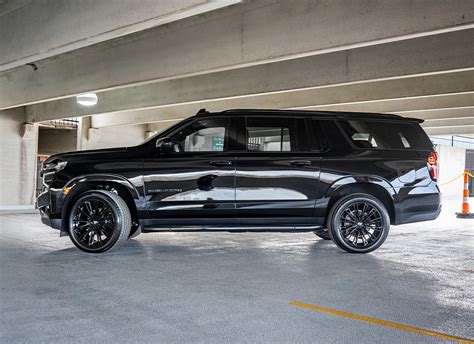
(409, 57)
(35, 30)
(256, 32)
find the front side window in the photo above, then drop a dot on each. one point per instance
(204, 135)
(270, 134)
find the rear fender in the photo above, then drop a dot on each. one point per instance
(373, 185)
(358, 180)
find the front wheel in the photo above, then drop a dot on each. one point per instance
(358, 223)
(99, 221)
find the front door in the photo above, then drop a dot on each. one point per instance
(277, 177)
(196, 184)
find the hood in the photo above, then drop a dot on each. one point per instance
(93, 153)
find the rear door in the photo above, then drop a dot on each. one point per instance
(277, 177)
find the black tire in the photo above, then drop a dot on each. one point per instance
(323, 233)
(358, 223)
(99, 221)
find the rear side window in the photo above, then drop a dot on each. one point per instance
(270, 134)
(386, 135)
(329, 136)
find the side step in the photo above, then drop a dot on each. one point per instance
(207, 228)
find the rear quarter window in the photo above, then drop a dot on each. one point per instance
(386, 134)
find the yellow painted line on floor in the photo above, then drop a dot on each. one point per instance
(383, 323)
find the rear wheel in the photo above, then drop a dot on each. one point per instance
(99, 221)
(358, 223)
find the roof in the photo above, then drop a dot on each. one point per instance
(336, 114)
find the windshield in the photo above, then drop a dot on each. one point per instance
(165, 132)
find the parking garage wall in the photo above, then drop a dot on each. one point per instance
(18, 150)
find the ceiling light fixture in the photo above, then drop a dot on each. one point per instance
(87, 99)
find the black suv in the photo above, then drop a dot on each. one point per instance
(343, 176)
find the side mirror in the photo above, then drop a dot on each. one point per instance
(165, 146)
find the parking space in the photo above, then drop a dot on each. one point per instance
(223, 287)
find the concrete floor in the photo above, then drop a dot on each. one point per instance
(221, 287)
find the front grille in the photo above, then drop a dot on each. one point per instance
(48, 178)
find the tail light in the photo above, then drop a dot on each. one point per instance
(433, 165)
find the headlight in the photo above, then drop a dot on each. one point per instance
(53, 167)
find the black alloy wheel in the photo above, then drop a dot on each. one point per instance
(359, 223)
(99, 221)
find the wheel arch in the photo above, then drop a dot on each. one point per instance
(82, 185)
(374, 186)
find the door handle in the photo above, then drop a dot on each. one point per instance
(221, 163)
(300, 163)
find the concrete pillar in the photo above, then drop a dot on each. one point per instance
(83, 132)
(452, 161)
(18, 152)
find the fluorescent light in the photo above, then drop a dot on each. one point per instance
(87, 99)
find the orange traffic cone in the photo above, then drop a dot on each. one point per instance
(465, 199)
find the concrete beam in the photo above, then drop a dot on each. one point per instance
(256, 32)
(421, 56)
(400, 105)
(448, 106)
(460, 83)
(122, 136)
(450, 122)
(441, 115)
(449, 111)
(158, 127)
(139, 117)
(444, 118)
(448, 117)
(451, 130)
(460, 123)
(62, 26)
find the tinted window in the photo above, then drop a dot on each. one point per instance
(318, 139)
(329, 136)
(386, 134)
(272, 134)
(205, 135)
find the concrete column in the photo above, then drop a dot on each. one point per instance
(18, 151)
(83, 132)
(452, 161)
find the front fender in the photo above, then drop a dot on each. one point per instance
(79, 184)
(110, 178)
